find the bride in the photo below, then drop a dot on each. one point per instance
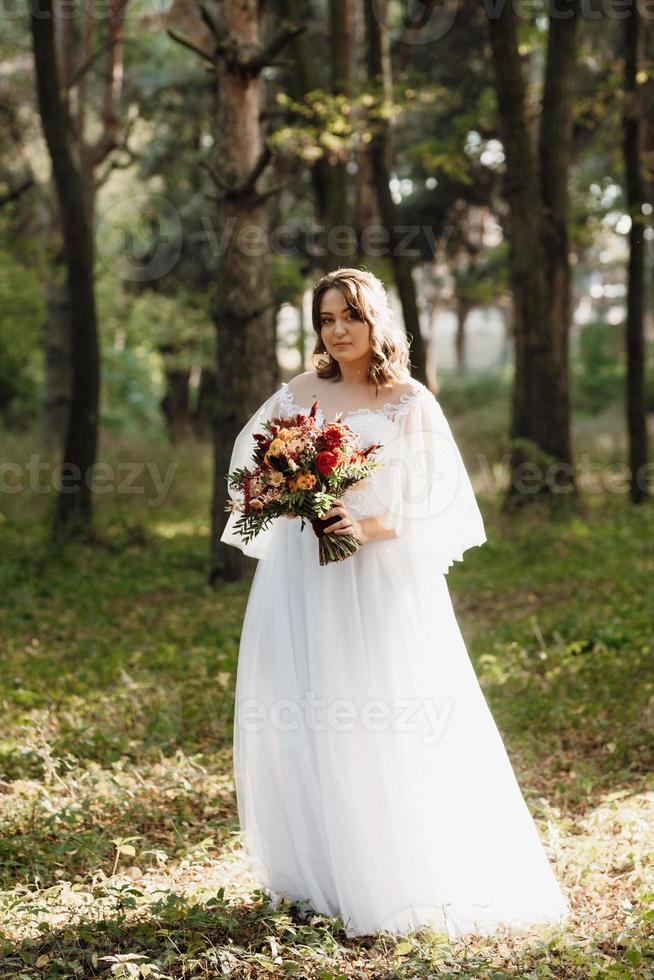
(372, 782)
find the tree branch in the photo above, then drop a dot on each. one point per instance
(191, 47)
(17, 191)
(208, 19)
(246, 186)
(264, 158)
(279, 40)
(216, 175)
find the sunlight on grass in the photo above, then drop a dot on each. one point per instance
(171, 529)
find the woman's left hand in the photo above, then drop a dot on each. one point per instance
(347, 524)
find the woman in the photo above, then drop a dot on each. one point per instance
(372, 782)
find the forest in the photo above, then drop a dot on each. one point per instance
(175, 176)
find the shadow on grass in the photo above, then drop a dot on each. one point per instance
(176, 938)
(182, 938)
(117, 655)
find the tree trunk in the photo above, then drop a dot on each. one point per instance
(205, 408)
(57, 338)
(74, 505)
(57, 349)
(634, 193)
(329, 175)
(463, 308)
(379, 69)
(555, 148)
(176, 408)
(243, 312)
(541, 458)
(301, 333)
(73, 52)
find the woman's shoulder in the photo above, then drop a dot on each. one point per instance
(407, 393)
(303, 381)
(301, 389)
(300, 383)
(411, 386)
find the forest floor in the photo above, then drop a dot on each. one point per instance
(119, 846)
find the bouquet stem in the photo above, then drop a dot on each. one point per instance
(333, 547)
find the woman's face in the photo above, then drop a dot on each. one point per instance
(345, 336)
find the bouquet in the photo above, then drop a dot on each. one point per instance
(298, 470)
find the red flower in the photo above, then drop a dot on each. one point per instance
(325, 462)
(333, 437)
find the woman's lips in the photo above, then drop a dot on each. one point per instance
(341, 345)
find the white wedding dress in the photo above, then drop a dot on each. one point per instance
(372, 782)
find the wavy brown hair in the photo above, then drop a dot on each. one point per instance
(365, 296)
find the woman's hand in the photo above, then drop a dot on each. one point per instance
(347, 524)
(365, 531)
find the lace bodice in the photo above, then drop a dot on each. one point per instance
(372, 425)
(390, 410)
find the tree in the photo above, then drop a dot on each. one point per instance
(244, 308)
(635, 197)
(380, 74)
(308, 85)
(537, 194)
(244, 305)
(74, 502)
(84, 46)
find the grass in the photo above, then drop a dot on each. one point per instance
(119, 846)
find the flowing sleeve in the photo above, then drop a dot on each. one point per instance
(424, 492)
(244, 445)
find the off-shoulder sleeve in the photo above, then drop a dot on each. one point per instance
(424, 491)
(244, 445)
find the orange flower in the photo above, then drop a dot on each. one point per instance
(276, 448)
(303, 481)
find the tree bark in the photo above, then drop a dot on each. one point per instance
(205, 408)
(555, 147)
(73, 58)
(57, 349)
(463, 308)
(176, 408)
(74, 503)
(301, 333)
(634, 193)
(243, 312)
(329, 176)
(58, 339)
(379, 69)
(541, 457)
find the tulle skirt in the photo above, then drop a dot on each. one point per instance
(372, 782)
